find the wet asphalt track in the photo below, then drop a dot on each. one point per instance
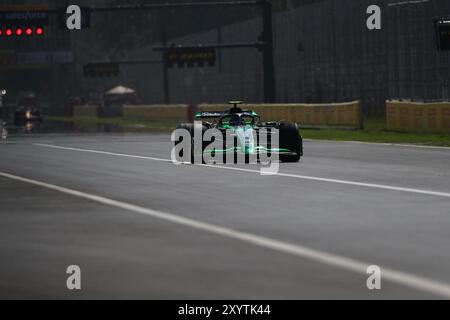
(124, 254)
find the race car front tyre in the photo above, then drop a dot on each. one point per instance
(190, 128)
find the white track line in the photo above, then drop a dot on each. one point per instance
(101, 152)
(388, 144)
(409, 280)
(280, 174)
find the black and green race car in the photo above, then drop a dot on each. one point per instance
(245, 129)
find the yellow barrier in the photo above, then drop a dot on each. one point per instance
(85, 111)
(418, 117)
(156, 112)
(346, 115)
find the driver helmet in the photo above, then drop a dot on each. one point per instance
(236, 120)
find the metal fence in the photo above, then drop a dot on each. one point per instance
(338, 58)
(323, 53)
(417, 70)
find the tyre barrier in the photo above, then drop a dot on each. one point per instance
(90, 111)
(177, 112)
(418, 117)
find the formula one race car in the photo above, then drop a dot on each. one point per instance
(249, 136)
(26, 115)
(28, 110)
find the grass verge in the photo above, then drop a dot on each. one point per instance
(375, 131)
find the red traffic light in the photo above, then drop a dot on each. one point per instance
(39, 31)
(21, 31)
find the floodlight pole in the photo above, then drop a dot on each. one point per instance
(268, 55)
(165, 66)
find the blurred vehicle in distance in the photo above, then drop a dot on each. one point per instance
(28, 109)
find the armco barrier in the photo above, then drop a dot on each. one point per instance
(345, 115)
(418, 117)
(178, 112)
(85, 111)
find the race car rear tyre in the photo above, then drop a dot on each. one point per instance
(290, 139)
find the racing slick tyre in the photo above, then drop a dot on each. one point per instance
(290, 139)
(190, 128)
